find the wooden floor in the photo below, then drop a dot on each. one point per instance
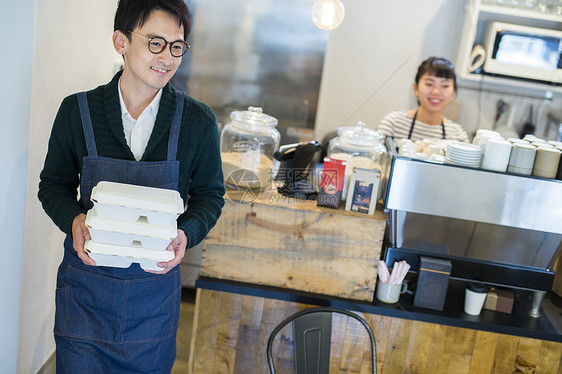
(183, 338)
(232, 332)
(523, 355)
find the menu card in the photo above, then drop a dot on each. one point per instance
(363, 188)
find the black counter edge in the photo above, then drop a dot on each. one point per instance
(394, 310)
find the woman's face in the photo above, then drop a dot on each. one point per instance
(434, 93)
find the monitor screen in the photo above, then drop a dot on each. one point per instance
(528, 50)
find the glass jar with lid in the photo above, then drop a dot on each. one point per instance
(248, 143)
(360, 147)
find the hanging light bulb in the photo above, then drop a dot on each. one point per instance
(327, 14)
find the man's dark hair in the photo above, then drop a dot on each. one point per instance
(131, 14)
(440, 67)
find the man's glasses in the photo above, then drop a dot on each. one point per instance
(157, 45)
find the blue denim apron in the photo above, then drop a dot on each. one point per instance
(113, 320)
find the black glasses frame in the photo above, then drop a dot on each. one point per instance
(164, 45)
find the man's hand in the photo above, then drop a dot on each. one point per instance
(178, 245)
(80, 234)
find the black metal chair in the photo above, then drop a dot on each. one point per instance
(312, 331)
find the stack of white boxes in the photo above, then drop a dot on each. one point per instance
(132, 224)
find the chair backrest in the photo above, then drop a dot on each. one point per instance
(312, 329)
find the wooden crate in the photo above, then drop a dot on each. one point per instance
(275, 241)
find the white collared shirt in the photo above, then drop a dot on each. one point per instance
(137, 131)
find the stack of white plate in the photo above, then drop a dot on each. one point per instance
(464, 154)
(132, 224)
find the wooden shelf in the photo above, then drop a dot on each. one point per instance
(519, 13)
(505, 86)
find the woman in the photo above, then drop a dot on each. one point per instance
(435, 87)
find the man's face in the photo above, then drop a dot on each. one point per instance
(144, 69)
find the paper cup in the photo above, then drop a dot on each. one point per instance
(546, 162)
(475, 295)
(496, 155)
(517, 140)
(522, 159)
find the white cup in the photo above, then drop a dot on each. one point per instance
(532, 138)
(407, 148)
(423, 145)
(437, 158)
(546, 162)
(496, 156)
(390, 293)
(475, 295)
(434, 149)
(517, 140)
(420, 156)
(403, 141)
(542, 144)
(481, 132)
(522, 159)
(486, 139)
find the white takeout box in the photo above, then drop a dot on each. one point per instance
(128, 202)
(110, 231)
(123, 256)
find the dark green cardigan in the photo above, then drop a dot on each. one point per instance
(200, 179)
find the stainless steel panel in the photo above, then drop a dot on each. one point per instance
(475, 240)
(475, 195)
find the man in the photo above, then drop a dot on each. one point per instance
(136, 129)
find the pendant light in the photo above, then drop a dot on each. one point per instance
(327, 14)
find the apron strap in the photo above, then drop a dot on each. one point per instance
(87, 124)
(414, 122)
(412, 126)
(175, 128)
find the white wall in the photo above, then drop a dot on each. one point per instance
(372, 59)
(16, 65)
(373, 56)
(73, 52)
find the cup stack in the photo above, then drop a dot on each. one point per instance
(132, 224)
(483, 136)
(496, 154)
(522, 158)
(546, 162)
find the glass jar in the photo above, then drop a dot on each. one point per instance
(360, 147)
(248, 143)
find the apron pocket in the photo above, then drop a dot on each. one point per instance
(90, 306)
(152, 307)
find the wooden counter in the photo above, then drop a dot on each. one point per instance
(269, 257)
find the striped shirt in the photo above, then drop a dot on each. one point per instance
(398, 124)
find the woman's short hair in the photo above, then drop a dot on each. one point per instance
(131, 14)
(440, 67)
